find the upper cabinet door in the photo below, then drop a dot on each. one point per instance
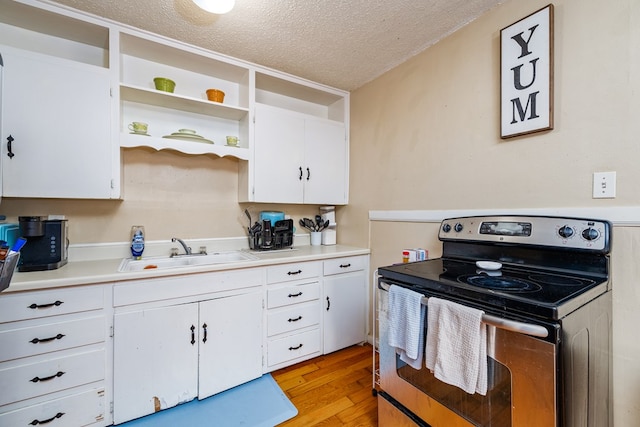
(57, 113)
(278, 156)
(299, 158)
(325, 156)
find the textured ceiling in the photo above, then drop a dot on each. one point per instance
(340, 43)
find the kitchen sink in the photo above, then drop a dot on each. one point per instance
(165, 262)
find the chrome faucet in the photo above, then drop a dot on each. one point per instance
(187, 249)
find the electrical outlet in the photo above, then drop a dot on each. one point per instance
(604, 185)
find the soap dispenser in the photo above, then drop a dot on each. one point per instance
(137, 241)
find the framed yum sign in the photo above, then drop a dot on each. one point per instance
(526, 75)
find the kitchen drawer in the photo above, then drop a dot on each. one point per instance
(36, 379)
(344, 265)
(290, 272)
(36, 304)
(292, 347)
(51, 337)
(82, 409)
(294, 294)
(297, 316)
(166, 288)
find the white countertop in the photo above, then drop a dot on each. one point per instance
(106, 271)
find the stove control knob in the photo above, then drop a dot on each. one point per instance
(446, 227)
(458, 227)
(590, 234)
(565, 231)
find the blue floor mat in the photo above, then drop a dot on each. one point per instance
(258, 403)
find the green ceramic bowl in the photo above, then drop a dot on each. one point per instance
(164, 84)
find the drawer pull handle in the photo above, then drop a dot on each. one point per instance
(35, 306)
(38, 379)
(296, 319)
(345, 265)
(193, 335)
(204, 327)
(39, 340)
(293, 273)
(38, 422)
(296, 348)
(295, 295)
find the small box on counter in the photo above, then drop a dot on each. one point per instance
(413, 255)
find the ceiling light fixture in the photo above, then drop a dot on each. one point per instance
(216, 6)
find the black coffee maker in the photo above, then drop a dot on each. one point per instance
(47, 243)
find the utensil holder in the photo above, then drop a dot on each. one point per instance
(316, 238)
(7, 267)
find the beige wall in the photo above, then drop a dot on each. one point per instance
(425, 136)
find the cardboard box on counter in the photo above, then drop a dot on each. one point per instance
(415, 255)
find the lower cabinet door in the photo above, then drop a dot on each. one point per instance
(344, 309)
(77, 410)
(231, 353)
(155, 360)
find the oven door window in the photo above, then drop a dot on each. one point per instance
(493, 409)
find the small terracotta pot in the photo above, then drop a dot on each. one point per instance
(215, 95)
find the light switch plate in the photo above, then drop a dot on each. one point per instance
(604, 185)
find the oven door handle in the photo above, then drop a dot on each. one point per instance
(499, 322)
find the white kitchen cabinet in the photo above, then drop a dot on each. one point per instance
(56, 127)
(56, 105)
(54, 368)
(345, 301)
(155, 360)
(299, 158)
(172, 354)
(232, 354)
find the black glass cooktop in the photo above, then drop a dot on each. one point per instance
(528, 291)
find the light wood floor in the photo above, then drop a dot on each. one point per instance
(331, 390)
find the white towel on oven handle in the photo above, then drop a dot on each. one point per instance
(406, 315)
(456, 349)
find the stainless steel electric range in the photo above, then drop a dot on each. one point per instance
(543, 285)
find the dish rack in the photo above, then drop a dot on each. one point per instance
(7, 267)
(280, 236)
